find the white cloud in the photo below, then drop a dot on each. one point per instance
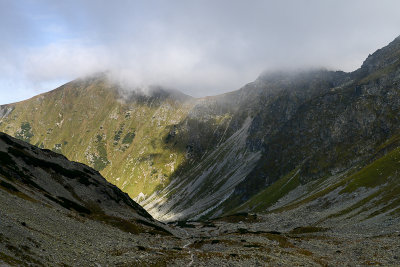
(200, 47)
(63, 59)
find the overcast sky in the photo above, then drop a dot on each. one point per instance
(201, 47)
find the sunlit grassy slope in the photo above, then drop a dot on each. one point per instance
(377, 183)
(285, 140)
(88, 121)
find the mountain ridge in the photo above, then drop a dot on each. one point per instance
(316, 122)
(58, 212)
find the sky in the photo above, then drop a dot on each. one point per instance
(200, 47)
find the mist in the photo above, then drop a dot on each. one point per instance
(198, 47)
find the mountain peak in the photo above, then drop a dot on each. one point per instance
(382, 58)
(150, 93)
(285, 75)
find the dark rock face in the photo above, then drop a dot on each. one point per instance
(50, 178)
(322, 122)
(334, 127)
(230, 147)
(319, 122)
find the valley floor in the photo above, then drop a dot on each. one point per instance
(34, 234)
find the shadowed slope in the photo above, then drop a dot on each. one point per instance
(197, 158)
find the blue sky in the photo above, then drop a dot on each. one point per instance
(200, 47)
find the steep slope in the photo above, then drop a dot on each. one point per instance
(71, 185)
(338, 129)
(225, 151)
(93, 121)
(199, 158)
(311, 125)
(365, 193)
(60, 213)
(48, 202)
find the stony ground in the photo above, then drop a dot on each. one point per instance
(33, 234)
(58, 213)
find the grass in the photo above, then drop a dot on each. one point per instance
(100, 160)
(113, 136)
(129, 131)
(128, 138)
(382, 172)
(25, 132)
(307, 230)
(376, 173)
(273, 193)
(89, 110)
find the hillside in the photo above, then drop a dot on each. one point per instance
(119, 133)
(185, 158)
(58, 212)
(49, 203)
(304, 128)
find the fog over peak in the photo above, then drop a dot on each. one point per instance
(199, 47)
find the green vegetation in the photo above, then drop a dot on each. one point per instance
(128, 138)
(307, 230)
(382, 174)
(100, 160)
(25, 132)
(118, 133)
(273, 193)
(377, 173)
(142, 143)
(100, 130)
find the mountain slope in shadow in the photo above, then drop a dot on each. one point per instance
(53, 209)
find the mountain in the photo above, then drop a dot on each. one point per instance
(117, 132)
(55, 212)
(345, 132)
(50, 203)
(284, 140)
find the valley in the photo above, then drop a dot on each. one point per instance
(167, 150)
(295, 168)
(69, 211)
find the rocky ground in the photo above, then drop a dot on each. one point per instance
(54, 212)
(33, 234)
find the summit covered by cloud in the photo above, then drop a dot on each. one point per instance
(199, 47)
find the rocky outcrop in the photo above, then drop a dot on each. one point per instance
(175, 151)
(43, 176)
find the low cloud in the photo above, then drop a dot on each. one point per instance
(198, 47)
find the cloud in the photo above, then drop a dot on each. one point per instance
(63, 59)
(199, 47)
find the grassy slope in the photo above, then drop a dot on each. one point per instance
(382, 174)
(86, 122)
(128, 142)
(272, 194)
